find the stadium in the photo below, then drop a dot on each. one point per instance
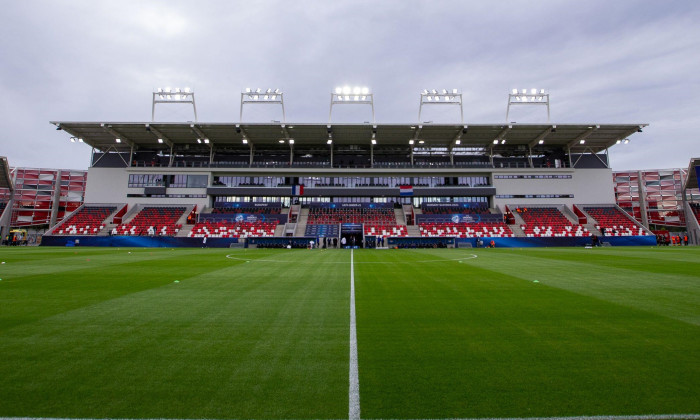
(348, 270)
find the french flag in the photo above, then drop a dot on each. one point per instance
(405, 190)
(298, 189)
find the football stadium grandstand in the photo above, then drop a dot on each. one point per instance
(239, 184)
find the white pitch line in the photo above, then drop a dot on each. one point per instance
(631, 417)
(354, 392)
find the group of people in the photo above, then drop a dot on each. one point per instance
(666, 240)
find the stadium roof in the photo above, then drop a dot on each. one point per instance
(103, 135)
(692, 180)
(5, 178)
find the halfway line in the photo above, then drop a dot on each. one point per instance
(354, 394)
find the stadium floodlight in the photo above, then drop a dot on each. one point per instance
(80, 140)
(245, 140)
(199, 141)
(280, 141)
(495, 141)
(356, 95)
(329, 141)
(541, 141)
(72, 140)
(411, 142)
(534, 97)
(160, 141)
(374, 141)
(627, 141)
(582, 141)
(458, 142)
(441, 97)
(267, 96)
(503, 141)
(173, 96)
(291, 141)
(206, 141)
(118, 140)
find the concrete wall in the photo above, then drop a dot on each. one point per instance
(110, 185)
(588, 186)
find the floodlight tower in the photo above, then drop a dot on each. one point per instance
(525, 97)
(441, 97)
(264, 97)
(347, 95)
(173, 96)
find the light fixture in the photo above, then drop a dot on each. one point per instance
(495, 141)
(347, 90)
(515, 91)
(281, 141)
(503, 141)
(206, 141)
(458, 142)
(374, 141)
(160, 141)
(541, 141)
(291, 141)
(410, 142)
(582, 141)
(199, 141)
(72, 140)
(627, 141)
(329, 141)
(118, 140)
(618, 142)
(245, 140)
(80, 140)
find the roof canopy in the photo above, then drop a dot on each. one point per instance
(103, 135)
(5, 178)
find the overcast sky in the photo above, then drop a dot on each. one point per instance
(602, 61)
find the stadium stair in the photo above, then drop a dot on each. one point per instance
(184, 231)
(301, 222)
(413, 230)
(400, 217)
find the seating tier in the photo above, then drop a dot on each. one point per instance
(614, 222)
(548, 222)
(153, 220)
(226, 229)
(89, 220)
(465, 230)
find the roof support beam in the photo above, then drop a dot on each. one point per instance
(166, 140)
(503, 132)
(116, 134)
(542, 136)
(582, 137)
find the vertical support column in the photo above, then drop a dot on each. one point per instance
(642, 200)
(55, 200)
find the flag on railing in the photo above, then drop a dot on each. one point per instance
(298, 189)
(405, 190)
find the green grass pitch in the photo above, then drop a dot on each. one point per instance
(190, 333)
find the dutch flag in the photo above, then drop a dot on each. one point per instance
(298, 189)
(406, 190)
